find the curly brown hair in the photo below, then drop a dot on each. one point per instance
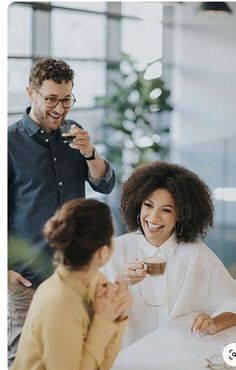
(192, 198)
(50, 69)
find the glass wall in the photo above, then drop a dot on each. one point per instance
(79, 33)
(214, 162)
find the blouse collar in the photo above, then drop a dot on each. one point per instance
(167, 248)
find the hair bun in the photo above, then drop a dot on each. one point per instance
(58, 232)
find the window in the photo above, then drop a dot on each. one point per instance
(18, 73)
(87, 35)
(78, 35)
(20, 41)
(97, 6)
(149, 36)
(89, 81)
(141, 37)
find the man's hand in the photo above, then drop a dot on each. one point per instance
(14, 276)
(81, 141)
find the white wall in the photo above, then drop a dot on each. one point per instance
(203, 75)
(203, 92)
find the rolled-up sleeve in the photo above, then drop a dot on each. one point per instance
(106, 183)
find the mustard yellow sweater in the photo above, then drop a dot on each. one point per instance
(61, 331)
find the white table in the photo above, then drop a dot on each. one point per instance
(173, 347)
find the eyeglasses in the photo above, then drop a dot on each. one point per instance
(215, 363)
(52, 101)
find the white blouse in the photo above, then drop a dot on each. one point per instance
(195, 280)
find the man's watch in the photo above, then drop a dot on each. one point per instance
(93, 156)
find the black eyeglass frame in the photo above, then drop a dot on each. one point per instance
(58, 100)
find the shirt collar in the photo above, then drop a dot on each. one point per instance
(30, 126)
(167, 248)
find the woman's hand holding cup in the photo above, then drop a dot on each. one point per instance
(134, 271)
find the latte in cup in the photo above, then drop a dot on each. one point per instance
(155, 265)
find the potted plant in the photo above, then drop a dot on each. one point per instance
(134, 135)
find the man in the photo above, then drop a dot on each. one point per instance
(44, 172)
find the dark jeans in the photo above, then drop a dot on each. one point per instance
(19, 299)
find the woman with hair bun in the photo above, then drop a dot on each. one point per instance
(167, 209)
(76, 319)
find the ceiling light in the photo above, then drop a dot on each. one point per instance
(215, 8)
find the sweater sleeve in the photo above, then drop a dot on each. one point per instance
(100, 334)
(113, 344)
(113, 347)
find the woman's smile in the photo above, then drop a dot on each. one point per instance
(153, 227)
(158, 216)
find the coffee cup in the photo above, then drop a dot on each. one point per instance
(155, 265)
(67, 131)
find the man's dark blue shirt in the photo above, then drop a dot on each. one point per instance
(44, 173)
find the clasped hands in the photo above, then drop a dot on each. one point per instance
(112, 301)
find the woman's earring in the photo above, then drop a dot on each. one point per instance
(181, 230)
(138, 219)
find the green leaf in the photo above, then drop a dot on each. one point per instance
(131, 102)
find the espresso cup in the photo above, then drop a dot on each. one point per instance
(155, 265)
(66, 131)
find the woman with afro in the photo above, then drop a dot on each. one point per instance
(168, 211)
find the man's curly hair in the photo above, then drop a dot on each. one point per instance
(50, 69)
(192, 198)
